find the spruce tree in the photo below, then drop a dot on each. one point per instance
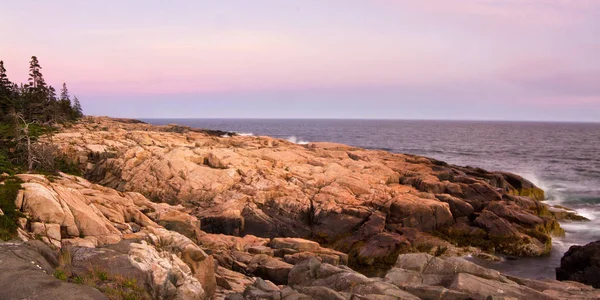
(78, 111)
(36, 80)
(6, 93)
(35, 97)
(64, 93)
(5, 84)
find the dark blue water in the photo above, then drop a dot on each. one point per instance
(561, 158)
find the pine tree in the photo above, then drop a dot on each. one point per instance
(35, 97)
(5, 93)
(64, 93)
(77, 108)
(5, 84)
(36, 101)
(36, 80)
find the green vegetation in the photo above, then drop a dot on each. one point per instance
(59, 274)
(5, 165)
(8, 220)
(28, 111)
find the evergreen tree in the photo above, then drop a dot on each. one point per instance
(35, 97)
(5, 84)
(52, 112)
(78, 111)
(28, 110)
(64, 93)
(36, 80)
(36, 102)
(5, 93)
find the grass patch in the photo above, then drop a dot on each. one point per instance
(60, 274)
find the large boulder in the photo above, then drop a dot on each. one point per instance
(423, 214)
(582, 264)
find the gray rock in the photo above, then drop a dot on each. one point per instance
(428, 292)
(22, 276)
(481, 288)
(321, 292)
(340, 280)
(86, 260)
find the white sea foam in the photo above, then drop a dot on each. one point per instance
(245, 133)
(295, 140)
(225, 135)
(531, 176)
(588, 213)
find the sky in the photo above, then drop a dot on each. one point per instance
(533, 60)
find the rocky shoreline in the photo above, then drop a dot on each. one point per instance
(170, 212)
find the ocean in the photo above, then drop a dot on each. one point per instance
(561, 158)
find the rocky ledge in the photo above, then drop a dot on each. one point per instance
(93, 238)
(413, 277)
(170, 212)
(371, 205)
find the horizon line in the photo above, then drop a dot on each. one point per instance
(364, 119)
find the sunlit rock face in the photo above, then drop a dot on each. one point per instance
(341, 196)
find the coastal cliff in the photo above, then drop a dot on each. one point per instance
(170, 212)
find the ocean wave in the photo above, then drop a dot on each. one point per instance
(245, 133)
(588, 213)
(452, 152)
(380, 148)
(295, 140)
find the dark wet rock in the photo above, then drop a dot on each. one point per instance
(378, 252)
(581, 264)
(458, 207)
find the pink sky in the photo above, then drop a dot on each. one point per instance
(538, 53)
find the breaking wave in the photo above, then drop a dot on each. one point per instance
(244, 133)
(295, 140)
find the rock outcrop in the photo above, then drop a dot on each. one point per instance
(117, 233)
(344, 197)
(582, 264)
(414, 276)
(260, 218)
(25, 274)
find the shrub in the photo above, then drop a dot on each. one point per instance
(8, 221)
(5, 164)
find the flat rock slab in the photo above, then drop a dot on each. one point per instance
(23, 275)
